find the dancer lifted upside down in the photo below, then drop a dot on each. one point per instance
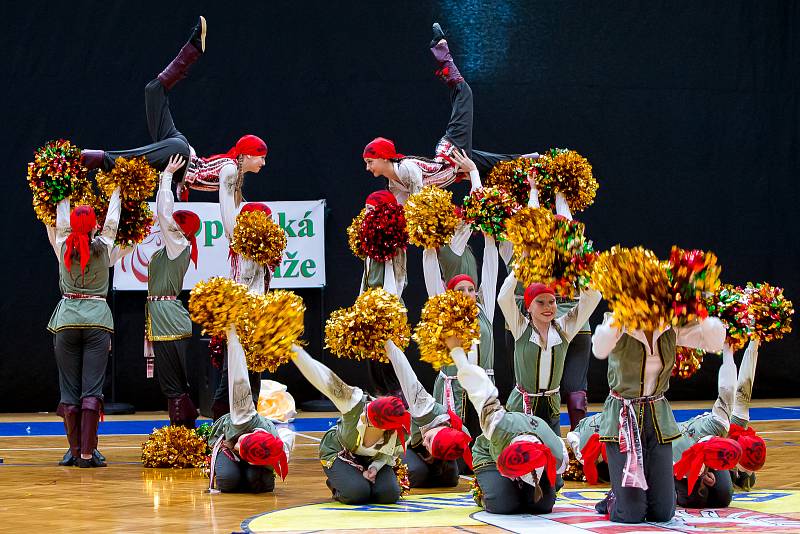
(408, 174)
(203, 174)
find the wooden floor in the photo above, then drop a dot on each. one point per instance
(36, 495)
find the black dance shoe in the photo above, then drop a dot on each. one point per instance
(91, 462)
(198, 37)
(438, 34)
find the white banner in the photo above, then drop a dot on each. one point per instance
(303, 263)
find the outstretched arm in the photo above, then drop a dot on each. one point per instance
(574, 320)
(174, 240)
(562, 207)
(726, 382)
(605, 337)
(431, 272)
(109, 232)
(326, 381)
(482, 392)
(517, 323)
(744, 386)
(420, 402)
(707, 335)
(240, 396)
(489, 269)
(228, 209)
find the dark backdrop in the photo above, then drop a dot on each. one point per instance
(688, 112)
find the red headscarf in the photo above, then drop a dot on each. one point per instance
(716, 453)
(82, 220)
(256, 206)
(590, 453)
(534, 290)
(189, 223)
(262, 448)
(754, 449)
(381, 148)
(248, 145)
(523, 457)
(452, 442)
(381, 197)
(457, 279)
(389, 413)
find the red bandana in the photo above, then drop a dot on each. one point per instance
(535, 290)
(590, 453)
(754, 449)
(457, 279)
(452, 442)
(82, 220)
(189, 223)
(256, 206)
(262, 448)
(716, 453)
(523, 457)
(381, 148)
(248, 145)
(378, 198)
(389, 413)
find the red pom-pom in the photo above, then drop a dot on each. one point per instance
(384, 231)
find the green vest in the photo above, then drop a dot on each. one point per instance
(588, 426)
(224, 427)
(83, 313)
(515, 424)
(694, 430)
(481, 455)
(626, 376)
(452, 265)
(526, 372)
(485, 360)
(344, 435)
(167, 320)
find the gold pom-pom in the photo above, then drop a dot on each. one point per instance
(448, 314)
(354, 235)
(401, 472)
(574, 472)
(360, 331)
(216, 303)
(531, 230)
(174, 446)
(430, 217)
(566, 171)
(476, 490)
(258, 237)
(512, 177)
(136, 178)
(635, 285)
(45, 211)
(268, 328)
(135, 222)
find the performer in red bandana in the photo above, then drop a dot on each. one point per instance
(359, 452)
(168, 327)
(204, 174)
(82, 323)
(407, 174)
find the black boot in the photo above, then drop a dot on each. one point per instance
(93, 159)
(72, 424)
(90, 419)
(438, 35)
(576, 407)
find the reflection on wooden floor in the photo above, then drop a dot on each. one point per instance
(36, 495)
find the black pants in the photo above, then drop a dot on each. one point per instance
(576, 364)
(167, 140)
(81, 357)
(242, 477)
(350, 487)
(459, 129)
(717, 496)
(170, 359)
(633, 505)
(502, 495)
(437, 474)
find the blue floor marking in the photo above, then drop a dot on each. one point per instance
(310, 424)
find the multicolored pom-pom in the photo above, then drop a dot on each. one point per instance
(135, 222)
(430, 217)
(512, 177)
(693, 276)
(216, 303)
(360, 331)
(487, 209)
(55, 173)
(476, 490)
(574, 257)
(770, 312)
(565, 171)
(448, 314)
(135, 177)
(268, 327)
(383, 231)
(687, 362)
(258, 237)
(729, 304)
(174, 446)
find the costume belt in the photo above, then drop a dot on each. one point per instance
(630, 439)
(449, 398)
(153, 298)
(82, 296)
(527, 408)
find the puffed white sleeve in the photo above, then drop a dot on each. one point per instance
(474, 180)
(326, 381)
(489, 268)
(227, 198)
(109, 232)
(574, 320)
(481, 391)
(63, 226)
(51, 237)
(431, 273)
(533, 198)
(744, 382)
(240, 395)
(562, 207)
(707, 335)
(605, 338)
(174, 240)
(517, 323)
(420, 402)
(726, 384)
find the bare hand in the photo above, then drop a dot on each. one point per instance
(532, 178)
(453, 342)
(463, 162)
(175, 163)
(370, 474)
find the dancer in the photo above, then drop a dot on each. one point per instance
(446, 389)
(247, 448)
(518, 456)
(638, 426)
(203, 174)
(82, 323)
(407, 175)
(437, 436)
(359, 452)
(167, 323)
(754, 449)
